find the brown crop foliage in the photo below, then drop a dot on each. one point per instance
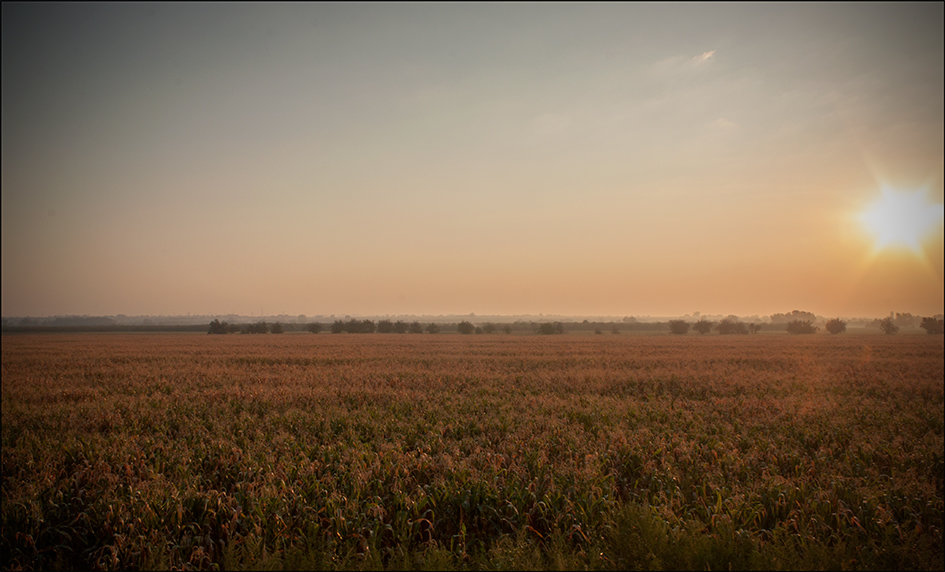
(188, 451)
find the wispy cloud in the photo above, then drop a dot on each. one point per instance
(681, 63)
(703, 57)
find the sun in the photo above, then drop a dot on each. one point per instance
(901, 219)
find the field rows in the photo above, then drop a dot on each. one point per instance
(190, 451)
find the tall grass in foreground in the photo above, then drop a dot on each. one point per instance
(494, 452)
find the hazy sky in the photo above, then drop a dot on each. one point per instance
(605, 159)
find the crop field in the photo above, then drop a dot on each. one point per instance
(376, 451)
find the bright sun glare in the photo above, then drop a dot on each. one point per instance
(900, 219)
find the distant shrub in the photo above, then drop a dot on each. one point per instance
(732, 327)
(415, 328)
(465, 327)
(679, 327)
(888, 326)
(218, 327)
(836, 326)
(703, 326)
(800, 327)
(933, 326)
(314, 327)
(276, 328)
(433, 328)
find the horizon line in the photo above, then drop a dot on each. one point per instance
(624, 316)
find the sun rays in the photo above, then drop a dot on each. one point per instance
(901, 220)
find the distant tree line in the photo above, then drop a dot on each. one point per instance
(218, 327)
(549, 328)
(398, 327)
(728, 326)
(467, 327)
(353, 327)
(796, 322)
(382, 327)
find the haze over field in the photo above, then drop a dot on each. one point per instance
(576, 159)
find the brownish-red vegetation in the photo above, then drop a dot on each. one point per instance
(385, 451)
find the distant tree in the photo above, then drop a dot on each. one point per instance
(888, 326)
(415, 328)
(256, 328)
(836, 326)
(754, 328)
(353, 327)
(433, 328)
(218, 327)
(400, 327)
(314, 327)
(792, 316)
(385, 326)
(703, 326)
(488, 328)
(276, 328)
(548, 328)
(730, 326)
(679, 327)
(465, 327)
(933, 326)
(507, 329)
(800, 327)
(478, 330)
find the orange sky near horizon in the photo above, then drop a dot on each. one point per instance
(380, 159)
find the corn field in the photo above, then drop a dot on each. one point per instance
(318, 451)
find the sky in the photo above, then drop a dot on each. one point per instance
(497, 158)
